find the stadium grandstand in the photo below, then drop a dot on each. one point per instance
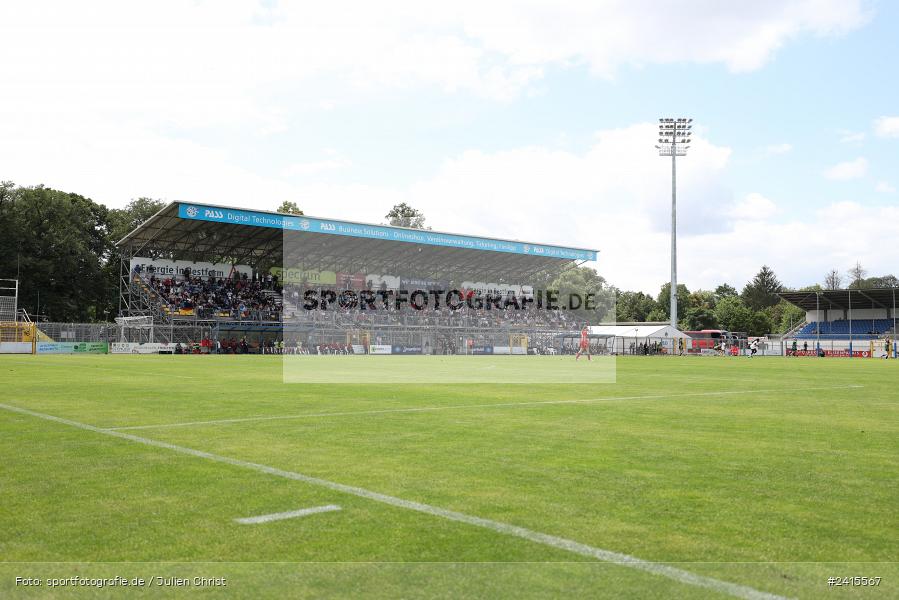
(240, 277)
(857, 322)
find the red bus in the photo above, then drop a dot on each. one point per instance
(711, 338)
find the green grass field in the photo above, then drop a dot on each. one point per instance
(726, 477)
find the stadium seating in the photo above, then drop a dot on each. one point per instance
(218, 298)
(262, 301)
(861, 329)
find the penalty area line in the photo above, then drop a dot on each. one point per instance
(462, 406)
(600, 554)
(287, 515)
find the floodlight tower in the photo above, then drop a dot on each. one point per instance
(674, 139)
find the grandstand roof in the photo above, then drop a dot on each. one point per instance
(204, 231)
(841, 299)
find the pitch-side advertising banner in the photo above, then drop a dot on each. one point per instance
(15, 347)
(134, 348)
(397, 349)
(72, 347)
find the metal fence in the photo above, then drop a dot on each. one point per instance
(831, 345)
(445, 339)
(77, 332)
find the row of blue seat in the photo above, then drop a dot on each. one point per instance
(859, 328)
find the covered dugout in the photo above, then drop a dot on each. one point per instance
(301, 251)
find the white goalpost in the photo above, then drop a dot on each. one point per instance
(135, 329)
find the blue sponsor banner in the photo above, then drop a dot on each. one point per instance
(235, 216)
(405, 350)
(482, 350)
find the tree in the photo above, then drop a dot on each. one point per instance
(58, 242)
(700, 311)
(725, 291)
(664, 300)
(634, 306)
(702, 299)
(583, 281)
(833, 280)
(289, 207)
(697, 318)
(123, 221)
(856, 274)
(760, 323)
(7, 193)
(657, 315)
(733, 315)
(761, 292)
(785, 316)
(885, 281)
(403, 215)
(10, 234)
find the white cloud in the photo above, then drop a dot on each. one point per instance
(615, 196)
(851, 169)
(127, 89)
(887, 127)
(315, 166)
(206, 62)
(884, 188)
(779, 148)
(106, 97)
(754, 207)
(621, 174)
(604, 35)
(851, 137)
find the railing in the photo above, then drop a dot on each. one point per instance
(78, 332)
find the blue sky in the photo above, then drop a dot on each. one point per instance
(528, 120)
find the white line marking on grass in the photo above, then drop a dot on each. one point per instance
(458, 406)
(287, 515)
(673, 573)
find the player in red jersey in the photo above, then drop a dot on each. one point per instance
(584, 345)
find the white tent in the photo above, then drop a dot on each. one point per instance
(641, 332)
(629, 338)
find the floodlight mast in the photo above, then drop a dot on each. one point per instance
(674, 139)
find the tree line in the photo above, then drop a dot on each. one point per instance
(756, 309)
(61, 248)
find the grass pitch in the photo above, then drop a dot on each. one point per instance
(771, 474)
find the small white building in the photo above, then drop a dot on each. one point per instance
(627, 338)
